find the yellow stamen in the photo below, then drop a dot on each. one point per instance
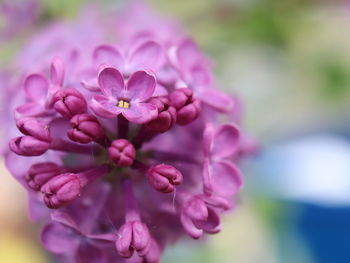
(123, 104)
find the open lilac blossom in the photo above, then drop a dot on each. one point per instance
(125, 146)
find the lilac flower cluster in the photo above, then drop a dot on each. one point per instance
(124, 147)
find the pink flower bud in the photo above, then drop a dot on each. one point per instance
(166, 115)
(122, 152)
(40, 173)
(28, 146)
(61, 190)
(35, 128)
(69, 102)
(86, 128)
(163, 177)
(133, 236)
(187, 107)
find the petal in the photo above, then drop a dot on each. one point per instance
(216, 99)
(36, 87)
(59, 239)
(141, 112)
(211, 225)
(141, 86)
(160, 91)
(104, 107)
(124, 240)
(89, 79)
(189, 226)
(111, 82)
(225, 141)
(201, 75)
(225, 178)
(208, 137)
(29, 109)
(57, 71)
(188, 54)
(148, 55)
(108, 54)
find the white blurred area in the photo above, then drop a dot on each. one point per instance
(313, 169)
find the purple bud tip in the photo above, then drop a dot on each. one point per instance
(40, 173)
(28, 146)
(164, 177)
(133, 236)
(166, 115)
(122, 152)
(61, 190)
(86, 128)
(69, 102)
(187, 107)
(35, 128)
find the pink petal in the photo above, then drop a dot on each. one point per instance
(216, 99)
(29, 109)
(59, 239)
(104, 107)
(110, 55)
(188, 55)
(36, 87)
(225, 141)
(111, 82)
(141, 112)
(57, 71)
(190, 227)
(211, 225)
(201, 75)
(160, 91)
(148, 55)
(141, 86)
(208, 137)
(225, 178)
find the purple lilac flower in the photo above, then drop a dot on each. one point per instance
(123, 148)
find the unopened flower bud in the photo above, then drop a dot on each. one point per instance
(28, 146)
(187, 107)
(86, 128)
(40, 173)
(133, 236)
(163, 177)
(35, 128)
(122, 152)
(69, 102)
(61, 190)
(166, 115)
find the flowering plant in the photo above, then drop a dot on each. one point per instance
(123, 148)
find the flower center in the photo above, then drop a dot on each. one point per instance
(123, 104)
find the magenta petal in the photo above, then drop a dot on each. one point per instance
(148, 55)
(108, 54)
(201, 75)
(141, 86)
(124, 240)
(104, 107)
(141, 112)
(29, 109)
(211, 225)
(111, 82)
(216, 99)
(187, 54)
(36, 87)
(225, 177)
(160, 91)
(57, 71)
(225, 141)
(189, 226)
(59, 239)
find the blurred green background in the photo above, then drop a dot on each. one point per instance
(289, 60)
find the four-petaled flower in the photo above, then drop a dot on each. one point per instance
(128, 99)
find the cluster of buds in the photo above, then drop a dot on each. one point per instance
(123, 147)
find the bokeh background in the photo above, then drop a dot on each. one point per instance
(289, 60)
